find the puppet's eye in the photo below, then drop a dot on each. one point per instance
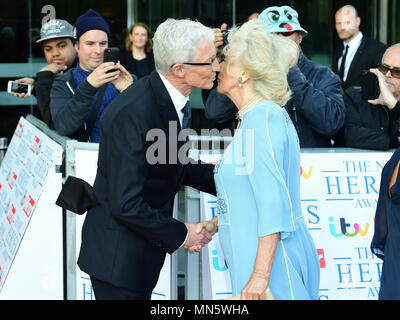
(289, 15)
(274, 16)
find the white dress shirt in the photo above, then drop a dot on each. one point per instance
(353, 47)
(179, 101)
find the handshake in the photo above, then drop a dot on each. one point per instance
(200, 234)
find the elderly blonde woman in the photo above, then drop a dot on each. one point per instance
(261, 228)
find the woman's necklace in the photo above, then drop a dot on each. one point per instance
(249, 105)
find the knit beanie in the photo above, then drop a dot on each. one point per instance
(91, 20)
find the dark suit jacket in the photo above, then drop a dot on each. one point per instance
(125, 239)
(369, 55)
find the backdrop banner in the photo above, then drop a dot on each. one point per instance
(339, 194)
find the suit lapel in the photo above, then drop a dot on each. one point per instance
(169, 116)
(166, 106)
(357, 57)
(336, 58)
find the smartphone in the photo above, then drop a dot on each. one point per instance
(15, 87)
(369, 86)
(111, 55)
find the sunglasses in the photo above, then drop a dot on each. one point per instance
(395, 72)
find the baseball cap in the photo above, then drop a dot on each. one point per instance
(281, 19)
(56, 28)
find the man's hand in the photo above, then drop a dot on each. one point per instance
(219, 38)
(99, 76)
(386, 97)
(207, 227)
(124, 79)
(25, 81)
(54, 68)
(198, 236)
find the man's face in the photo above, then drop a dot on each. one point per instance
(60, 51)
(203, 76)
(347, 24)
(392, 60)
(91, 49)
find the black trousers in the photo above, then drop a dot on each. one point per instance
(106, 291)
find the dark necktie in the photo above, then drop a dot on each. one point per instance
(342, 64)
(187, 115)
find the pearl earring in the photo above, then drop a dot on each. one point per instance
(240, 82)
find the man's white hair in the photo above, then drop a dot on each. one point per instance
(175, 41)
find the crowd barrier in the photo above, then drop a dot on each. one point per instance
(39, 242)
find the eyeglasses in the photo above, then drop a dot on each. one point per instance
(197, 63)
(395, 72)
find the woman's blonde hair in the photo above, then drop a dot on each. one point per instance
(149, 43)
(265, 57)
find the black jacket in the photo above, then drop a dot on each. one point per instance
(368, 126)
(368, 55)
(316, 107)
(127, 61)
(43, 83)
(125, 239)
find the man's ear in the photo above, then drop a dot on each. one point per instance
(178, 70)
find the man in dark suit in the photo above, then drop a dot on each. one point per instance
(357, 52)
(125, 239)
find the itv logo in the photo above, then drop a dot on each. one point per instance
(306, 175)
(216, 263)
(346, 229)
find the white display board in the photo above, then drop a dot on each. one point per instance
(339, 194)
(86, 168)
(31, 247)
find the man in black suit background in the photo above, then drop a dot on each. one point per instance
(125, 239)
(357, 52)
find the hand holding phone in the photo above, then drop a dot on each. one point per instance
(18, 88)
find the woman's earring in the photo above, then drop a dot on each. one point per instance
(240, 82)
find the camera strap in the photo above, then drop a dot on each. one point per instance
(95, 111)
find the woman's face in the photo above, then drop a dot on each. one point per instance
(228, 77)
(139, 37)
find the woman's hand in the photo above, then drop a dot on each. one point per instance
(255, 287)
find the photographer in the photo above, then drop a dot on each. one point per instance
(79, 97)
(374, 124)
(56, 39)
